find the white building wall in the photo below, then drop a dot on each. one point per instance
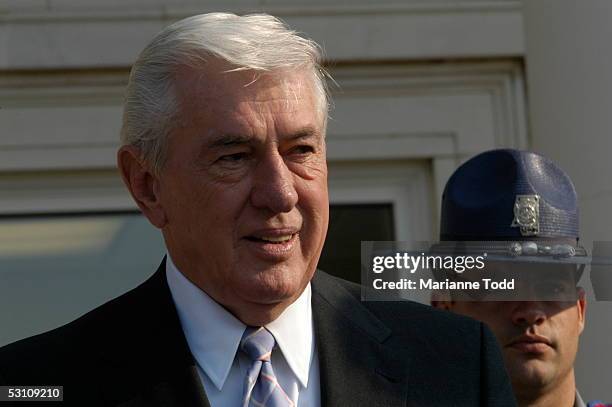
(438, 80)
(97, 33)
(569, 67)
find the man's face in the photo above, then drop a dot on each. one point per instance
(244, 187)
(539, 339)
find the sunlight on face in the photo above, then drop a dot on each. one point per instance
(244, 188)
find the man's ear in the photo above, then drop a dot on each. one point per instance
(441, 299)
(581, 304)
(142, 184)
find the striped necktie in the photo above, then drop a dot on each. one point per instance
(261, 388)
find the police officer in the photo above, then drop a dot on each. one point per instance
(521, 209)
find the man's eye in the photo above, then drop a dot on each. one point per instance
(551, 287)
(553, 290)
(234, 158)
(302, 150)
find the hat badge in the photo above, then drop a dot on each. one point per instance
(527, 214)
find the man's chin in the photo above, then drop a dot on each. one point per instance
(271, 283)
(263, 309)
(270, 294)
(530, 373)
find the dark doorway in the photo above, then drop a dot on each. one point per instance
(349, 224)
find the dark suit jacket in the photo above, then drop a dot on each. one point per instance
(131, 352)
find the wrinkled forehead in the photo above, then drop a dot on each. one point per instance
(219, 85)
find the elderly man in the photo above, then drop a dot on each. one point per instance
(521, 204)
(223, 150)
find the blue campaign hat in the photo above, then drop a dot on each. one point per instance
(508, 194)
(514, 205)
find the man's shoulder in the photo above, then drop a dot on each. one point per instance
(401, 312)
(417, 342)
(406, 317)
(125, 349)
(76, 343)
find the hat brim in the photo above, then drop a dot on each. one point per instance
(545, 252)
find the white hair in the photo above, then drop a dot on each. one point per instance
(258, 42)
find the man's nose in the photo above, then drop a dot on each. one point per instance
(528, 313)
(273, 185)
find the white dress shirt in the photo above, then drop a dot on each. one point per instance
(213, 335)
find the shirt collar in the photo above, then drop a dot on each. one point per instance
(294, 334)
(213, 333)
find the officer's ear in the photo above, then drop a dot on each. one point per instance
(441, 299)
(581, 305)
(142, 183)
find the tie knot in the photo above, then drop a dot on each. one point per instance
(257, 343)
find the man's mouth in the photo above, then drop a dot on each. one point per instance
(272, 239)
(274, 244)
(535, 344)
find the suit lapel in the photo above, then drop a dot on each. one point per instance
(356, 368)
(146, 361)
(184, 390)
